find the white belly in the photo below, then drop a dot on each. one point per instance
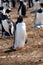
(20, 36)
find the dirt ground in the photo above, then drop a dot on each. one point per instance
(32, 54)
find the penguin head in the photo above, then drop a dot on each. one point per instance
(41, 4)
(4, 17)
(19, 19)
(39, 10)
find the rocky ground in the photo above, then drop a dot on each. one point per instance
(32, 53)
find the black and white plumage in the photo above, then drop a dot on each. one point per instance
(36, 5)
(39, 18)
(5, 5)
(6, 8)
(7, 26)
(22, 9)
(20, 34)
(10, 4)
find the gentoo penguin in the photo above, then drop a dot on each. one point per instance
(36, 5)
(20, 33)
(22, 9)
(39, 18)
(6, 26)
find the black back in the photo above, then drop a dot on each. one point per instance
(23, 10)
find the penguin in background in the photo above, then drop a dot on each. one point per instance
(39, 18)
(30, 2)
(41, 3)
(13, 3)
(36, 5)
(5, 4)
(7, 29)
(10, 4)
(5, 26)
(22, 9)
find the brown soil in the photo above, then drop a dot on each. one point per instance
(32, 54)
